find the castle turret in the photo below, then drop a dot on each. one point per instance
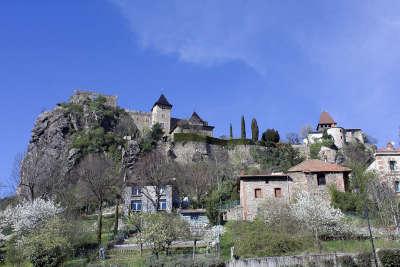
(325, 122)
(161, 113)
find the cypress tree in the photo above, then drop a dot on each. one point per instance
(230, 131)
(243, 125)
(254, 130)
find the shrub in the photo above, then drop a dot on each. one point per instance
(364, 259)
(277, 158)
(49, 245)
(389, 257)
(346, 201)
(346, 261)
(42, 256)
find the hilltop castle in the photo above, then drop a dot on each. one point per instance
(161, 113)
(340, 135)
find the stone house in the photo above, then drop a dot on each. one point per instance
(386, 165)
(144, 198)
(340, 135)
(161, 113)
(313, 176)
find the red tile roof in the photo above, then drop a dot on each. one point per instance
(314, 165)
(325, 118)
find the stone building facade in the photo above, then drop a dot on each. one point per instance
(144, 198)
(161, 114)
(313, 176)
(340, 135)
(386, 165)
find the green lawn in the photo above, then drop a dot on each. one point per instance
(353, 246)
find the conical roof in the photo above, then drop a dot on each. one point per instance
(195, 118)
(163, 102)
(325, 118)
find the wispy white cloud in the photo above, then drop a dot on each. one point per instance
(349, 47)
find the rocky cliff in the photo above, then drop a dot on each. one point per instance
(61, 137)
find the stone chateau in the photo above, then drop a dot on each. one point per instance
(161, 113)
(340, 135)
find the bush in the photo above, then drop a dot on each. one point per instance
(277, 158)
(346, 201)
(346, 261)
(42, 256)
(389, 257)
(49, 245)
(364, 259)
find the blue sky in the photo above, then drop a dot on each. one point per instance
(282, 62)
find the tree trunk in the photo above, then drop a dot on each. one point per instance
(32, 193)
(99, 224)
(317, 241)
(116, 217)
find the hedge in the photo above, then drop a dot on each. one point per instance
(389, 257)
(192, 137)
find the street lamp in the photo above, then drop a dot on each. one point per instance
(366, 211)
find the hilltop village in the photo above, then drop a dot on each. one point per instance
(150, 182)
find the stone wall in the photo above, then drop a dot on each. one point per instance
(236, 155)
(80, 96)
(141, 119)
(250, 203)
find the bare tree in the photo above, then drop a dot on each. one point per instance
(305, 130)
(98, 179)
(197, 178)
(15, 177)
(153, 172)
(293, 138)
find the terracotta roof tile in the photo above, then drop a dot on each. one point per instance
(314, 165)
(325, 118)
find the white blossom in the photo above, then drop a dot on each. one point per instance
(28, 214)
(316, 213)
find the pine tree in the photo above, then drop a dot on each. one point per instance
(243, 124)
(230, 131)
(254, 130)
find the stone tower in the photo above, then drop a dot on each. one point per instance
(161, 113)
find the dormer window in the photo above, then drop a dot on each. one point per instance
(392, 165)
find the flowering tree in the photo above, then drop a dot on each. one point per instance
(27, 215)
(316, 214)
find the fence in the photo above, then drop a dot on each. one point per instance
(315, 260)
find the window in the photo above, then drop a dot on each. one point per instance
(278, 192)
(321, 179)
(162, 189)
(194, 217)
(392, 165)
(136, 205)
(257, 193)
(136, 191)
(163, 204)
(397, 186)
